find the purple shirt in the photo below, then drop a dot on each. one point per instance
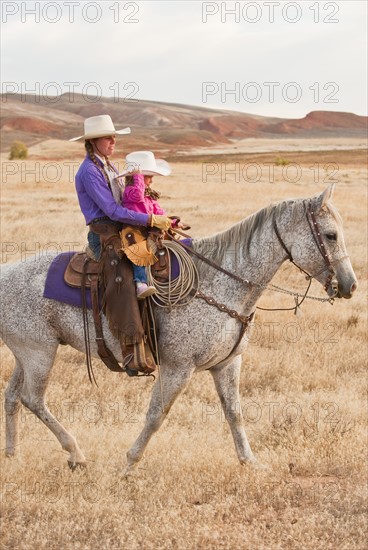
(96, 200)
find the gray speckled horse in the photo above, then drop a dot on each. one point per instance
(192, 338)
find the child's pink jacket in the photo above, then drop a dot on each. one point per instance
(135, 199)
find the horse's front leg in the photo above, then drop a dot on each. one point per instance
(164, 393)
(227, 385)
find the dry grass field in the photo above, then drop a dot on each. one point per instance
(303, 390)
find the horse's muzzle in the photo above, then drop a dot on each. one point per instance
(338, 290)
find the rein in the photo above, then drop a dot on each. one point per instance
(211, 301)
(320, 245)
(206, 260)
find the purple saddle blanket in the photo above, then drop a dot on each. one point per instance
(57, 289)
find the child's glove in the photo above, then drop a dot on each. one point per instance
(162, 222)
(177, 224)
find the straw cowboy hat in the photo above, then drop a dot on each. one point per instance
(100, 126)
(145, 163)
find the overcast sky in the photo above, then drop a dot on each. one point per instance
(266, 57)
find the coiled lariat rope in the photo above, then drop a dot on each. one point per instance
(181, 290)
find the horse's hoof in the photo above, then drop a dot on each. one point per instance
(10, 453)
(130, 470)
(261, 467)
(254, 464)
(74, 465)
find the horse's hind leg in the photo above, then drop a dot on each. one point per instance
(12, 406)
(36, 373)
(227, 385)
(173, 382)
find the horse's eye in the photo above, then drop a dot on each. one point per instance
(331, 236)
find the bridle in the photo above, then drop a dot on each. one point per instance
(316, 234)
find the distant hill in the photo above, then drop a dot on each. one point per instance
(324, 121)
(160, 126)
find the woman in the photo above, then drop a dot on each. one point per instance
(99, 192)
(99, 195)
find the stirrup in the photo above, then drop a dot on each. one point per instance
(132, 372)
(138, 362)
(137, 374)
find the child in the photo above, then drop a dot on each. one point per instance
(140, 197)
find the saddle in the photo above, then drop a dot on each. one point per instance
(81, 265)
(84, 272)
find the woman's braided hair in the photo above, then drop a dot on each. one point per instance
(129, 180)
(90, 152)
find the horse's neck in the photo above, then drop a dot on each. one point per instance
(255, 259)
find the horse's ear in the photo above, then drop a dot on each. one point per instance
(321, 200)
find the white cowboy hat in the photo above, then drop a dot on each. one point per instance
(100, 126)
(145, 163)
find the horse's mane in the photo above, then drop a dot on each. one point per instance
(242, 234)
(239, 235)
